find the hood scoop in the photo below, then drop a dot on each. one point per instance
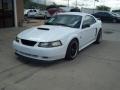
(47, 29)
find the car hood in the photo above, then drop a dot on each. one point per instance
(46, 33)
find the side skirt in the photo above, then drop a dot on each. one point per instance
(86, 45)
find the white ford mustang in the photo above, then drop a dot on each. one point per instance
(62, 36)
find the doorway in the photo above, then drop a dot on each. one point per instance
(6, 13)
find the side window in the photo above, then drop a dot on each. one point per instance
(102, 14)
(34, 10)
(31, 11)
(99, 14)
(92, 20)
(88, 20)
(107, 14)
(85, 21)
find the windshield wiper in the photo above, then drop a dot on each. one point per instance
(57, 24)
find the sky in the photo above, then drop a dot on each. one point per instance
(114, 4)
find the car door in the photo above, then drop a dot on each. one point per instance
(101, 15)
(107, 16)
(88, 30)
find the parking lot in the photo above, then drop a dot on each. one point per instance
(96, 68)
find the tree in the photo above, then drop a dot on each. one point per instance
(104, 8)
(26, 1)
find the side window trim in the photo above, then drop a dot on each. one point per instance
(84, 22)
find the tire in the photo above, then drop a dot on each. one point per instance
(99, 37)
(45, 17)
(72, 50)
(114, 21)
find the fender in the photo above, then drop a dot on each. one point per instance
(71, 38)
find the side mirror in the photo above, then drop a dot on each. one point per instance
(85, 26)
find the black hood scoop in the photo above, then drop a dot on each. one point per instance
(47, 29)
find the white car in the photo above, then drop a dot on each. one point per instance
(32, 12)
(62, 36)
(41, 14)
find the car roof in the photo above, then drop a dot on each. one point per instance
(74, 13)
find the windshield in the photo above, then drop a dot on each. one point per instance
(73, 21)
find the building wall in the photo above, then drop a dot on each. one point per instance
(20, 12)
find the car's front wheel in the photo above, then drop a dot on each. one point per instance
(72, 50)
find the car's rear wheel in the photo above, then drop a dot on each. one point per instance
(72, 50)
(114, 21)
(99, 37)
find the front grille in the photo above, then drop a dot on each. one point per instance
(28, 43)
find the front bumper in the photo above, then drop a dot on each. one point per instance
(39, 53)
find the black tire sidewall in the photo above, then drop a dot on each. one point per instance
(68, 52)
(99, 36)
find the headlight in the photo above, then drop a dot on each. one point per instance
(17, 39)
(50, 44)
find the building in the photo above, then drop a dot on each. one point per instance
(11, 13)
